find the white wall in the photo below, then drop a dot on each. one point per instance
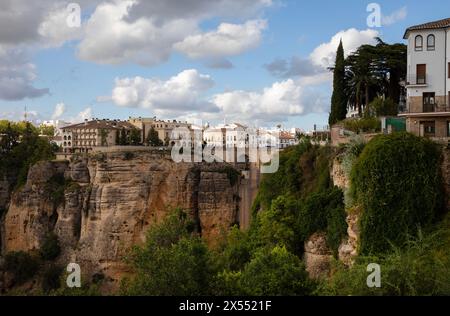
(435, 61)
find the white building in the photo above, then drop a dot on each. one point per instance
(428, 81)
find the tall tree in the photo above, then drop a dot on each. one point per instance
(153, 138)
(339, 99)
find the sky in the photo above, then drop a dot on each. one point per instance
(258, 62)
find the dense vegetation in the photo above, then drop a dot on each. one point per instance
(21, 147)
(397, 182)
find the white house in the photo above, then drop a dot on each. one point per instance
(428, 80)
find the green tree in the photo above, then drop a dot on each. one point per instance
(275, 271)
(173, 261)
(153, 138)
(135, 137)
(123, 139)
(47, 130)
(338, 99)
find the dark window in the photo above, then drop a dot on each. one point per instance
(429, 102)
(421, 74)
(419, 43)
(431, 42)
(429, 129)
(448, 129)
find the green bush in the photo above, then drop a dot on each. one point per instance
(363, 125)
(273, 272)
(22, 265)
(173, 261)
(51, 278)
(397, 182)
(324, 211)
(304, 169)
(421, 268)
(381, 107)
(50, 248)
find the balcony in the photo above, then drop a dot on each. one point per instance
(431, 110)
(417, 80)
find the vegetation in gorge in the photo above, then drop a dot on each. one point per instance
(397, 182)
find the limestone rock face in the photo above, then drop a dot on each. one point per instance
(338, 175)
(348, 250)
(31, 214)
(110, 201)
(317, 256)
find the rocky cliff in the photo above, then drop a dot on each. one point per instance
(102, 205)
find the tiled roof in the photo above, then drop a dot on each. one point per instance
(441, 24)
(102, 124)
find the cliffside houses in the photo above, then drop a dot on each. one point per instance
(83, 137)
(164, 128)
(427, 110)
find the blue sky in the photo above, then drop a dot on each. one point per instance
(80, 67)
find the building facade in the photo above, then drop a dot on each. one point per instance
(427, 109)
(164, 128)
(83, 137)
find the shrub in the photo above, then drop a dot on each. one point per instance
(421, 268)
(397, 182)
(50, 248)
(232, 174)
(275, 271)
(22, 265)
(51, 278)
(324, 211)
(381, 107)
(128, 155)
(363, 125)
(173, 261)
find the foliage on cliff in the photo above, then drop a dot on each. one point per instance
(397, 182)
(299, 200)
(21, 147)
(420, 268)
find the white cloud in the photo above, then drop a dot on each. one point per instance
(394, 17)
(325, 54)
(110, 38)
(227, 40)
(54, 29)
(274, 103)
(17, 75)
(86, 114)
(59, 111)
(182, 92)
(147, 32)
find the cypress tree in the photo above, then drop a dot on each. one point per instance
(339, 99)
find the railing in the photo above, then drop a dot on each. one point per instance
(414, 79)
(427, 108)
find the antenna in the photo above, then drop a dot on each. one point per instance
(26, 114)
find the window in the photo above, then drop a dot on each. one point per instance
(428, 102)
(421, 71)
(448, 129)
(429, 129)
(431, 42)
(419, 43)
(448, 70)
